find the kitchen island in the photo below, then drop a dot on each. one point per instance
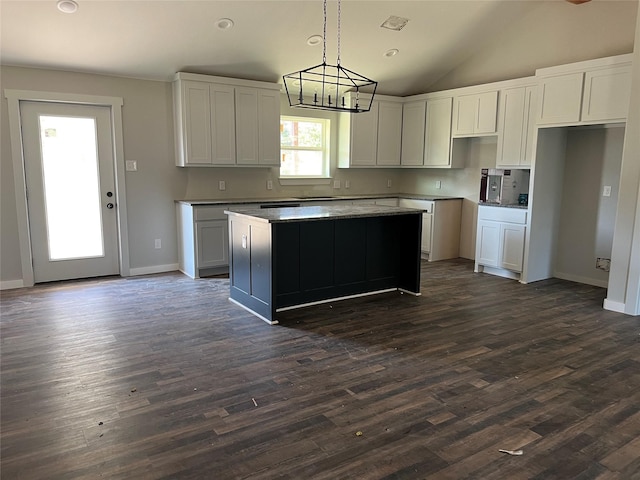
(284, 258)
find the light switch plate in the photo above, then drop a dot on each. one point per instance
(606, 191)
(336, 184)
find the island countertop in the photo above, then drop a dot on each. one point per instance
(329, 212)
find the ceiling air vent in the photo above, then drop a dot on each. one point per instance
(395, 23)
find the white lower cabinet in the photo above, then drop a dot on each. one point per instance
(500, 240)
(203, 239)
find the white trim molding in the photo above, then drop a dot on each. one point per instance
(14, 97)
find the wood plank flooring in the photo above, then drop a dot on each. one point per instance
(161, 377)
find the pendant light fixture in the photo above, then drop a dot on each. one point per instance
(330, 87)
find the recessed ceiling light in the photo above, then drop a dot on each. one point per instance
(395, 23)
(67, 6)
(224, 23)
(391, 53)
(314, 40)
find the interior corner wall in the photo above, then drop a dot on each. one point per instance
(623, 293)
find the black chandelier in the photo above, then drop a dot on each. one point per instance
(330, 87)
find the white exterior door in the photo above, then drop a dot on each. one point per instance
(72, 207)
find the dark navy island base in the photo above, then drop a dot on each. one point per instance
(283, 258)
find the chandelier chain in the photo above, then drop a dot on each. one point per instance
(324, 35)
(339, 12)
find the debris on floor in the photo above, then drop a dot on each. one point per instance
(134, 389)
(254, 401)
(359, 433)
(511, 452)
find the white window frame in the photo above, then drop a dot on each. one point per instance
(326, 153)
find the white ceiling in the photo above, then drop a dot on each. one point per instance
(446, 43)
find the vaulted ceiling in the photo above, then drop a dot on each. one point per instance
(445, 44)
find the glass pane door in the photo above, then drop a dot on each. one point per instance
(71, 187)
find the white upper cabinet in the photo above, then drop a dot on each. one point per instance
(437, 149)
(413, 123)
(606, 94)
(560, 99)
(591, 92)
(426, 133)
(373, 138)
(389, 134)
(225, 122)
(475, 114)
(515, 127)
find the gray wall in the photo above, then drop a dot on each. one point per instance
(587, 218)
(148, 138)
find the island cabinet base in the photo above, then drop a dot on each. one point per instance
(279, 266)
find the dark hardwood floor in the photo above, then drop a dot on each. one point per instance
(161, 377)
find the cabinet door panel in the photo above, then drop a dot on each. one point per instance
(247, 126)
(512, 246)
(488, 243)
(212, 242)
(513, 119)
(464, 114)
(223, 131)
(487, 113)
(413, 133)
(197, 117)
(438, 132)
(427, 229)
(560, 99)
(606, 94)
(269, 127)
(364, 137)
(389, 133)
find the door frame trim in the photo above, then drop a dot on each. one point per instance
(14, 97)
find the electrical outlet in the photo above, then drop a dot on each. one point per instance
(269, 185)
(222, 185)
(158, 243)
(389, 183)
(438, 184)
(347, 184)
(336, 184)
(131, 166)
(606, 191)
(603, 264)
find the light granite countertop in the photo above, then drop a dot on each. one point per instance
(304, 199)
(484, 204)
(329, 212)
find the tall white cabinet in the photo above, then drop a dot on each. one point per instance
(226, 122)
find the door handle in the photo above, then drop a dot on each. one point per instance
(109, 205)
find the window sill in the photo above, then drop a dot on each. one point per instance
(305, 181)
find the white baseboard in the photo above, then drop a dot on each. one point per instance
(581, 279)
(11, 284)
(613, 306)
(154, 269)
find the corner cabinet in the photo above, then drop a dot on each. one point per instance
(584, 93)
(226, 122)
(500, 239)
(373, 138)
(516, 121)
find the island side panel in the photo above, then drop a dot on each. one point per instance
(409, 230)
(250, 265)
